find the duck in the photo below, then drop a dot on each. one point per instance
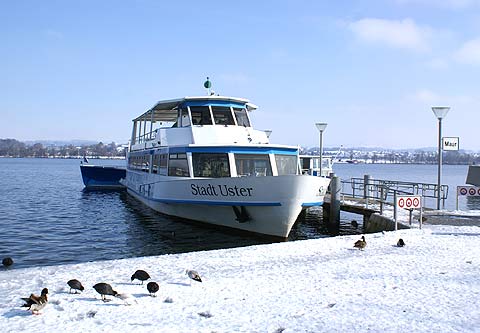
(7, 262)
(104, 289)
(128, 299)
(76, 285)
(400, 243)
(152, 288)
(193, 275)
(36, 303)
(361, 243)
(140, 275)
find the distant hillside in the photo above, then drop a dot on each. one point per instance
(61, 142)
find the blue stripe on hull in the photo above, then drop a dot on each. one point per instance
(312, 204)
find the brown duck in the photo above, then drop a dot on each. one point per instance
(36, 303)
(361, 243)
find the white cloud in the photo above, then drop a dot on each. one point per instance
(405, 34)
(469, 53)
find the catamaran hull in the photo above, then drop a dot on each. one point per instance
(264, 205)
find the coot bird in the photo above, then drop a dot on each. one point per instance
(152, 288)
(35, 303)
(400, 243)
(104, 289)
(193, 275)
(360, 244)
(140, 275)
(76, 285)
(7, 262)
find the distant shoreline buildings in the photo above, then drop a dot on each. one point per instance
(59, 149)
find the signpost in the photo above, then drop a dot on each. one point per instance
(450, 143)
(409, 202)
(467, 191)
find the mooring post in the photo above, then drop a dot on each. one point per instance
(381, 199)
(366, 188)
(335, 190)
(395, 209)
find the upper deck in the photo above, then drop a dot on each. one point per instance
(203, 120)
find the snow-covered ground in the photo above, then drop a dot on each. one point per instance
(320, 285)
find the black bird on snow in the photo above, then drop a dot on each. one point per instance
(361, 243)
(76, 285)
(152, 288)
(400, 243)
(140, 275)
(35, 303)
(193, 275)
(7, 262)
(104, 289)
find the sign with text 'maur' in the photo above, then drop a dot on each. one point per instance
(450, 143)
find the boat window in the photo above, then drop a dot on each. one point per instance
(286, 164)
(184, 117)
(139, 163)
(253, 165)
(222, 115)
(178, 165)
(210, 165)
(160, 164)
(201, 115)
(241, 116)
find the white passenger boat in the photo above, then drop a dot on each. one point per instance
(199, 158)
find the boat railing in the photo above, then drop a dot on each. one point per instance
(146, 137)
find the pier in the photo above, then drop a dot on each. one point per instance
(370, 197)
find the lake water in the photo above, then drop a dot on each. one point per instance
(46, 217)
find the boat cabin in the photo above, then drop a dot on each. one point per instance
(208, 136)
(196, 120)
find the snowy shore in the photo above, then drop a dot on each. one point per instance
(322, 285)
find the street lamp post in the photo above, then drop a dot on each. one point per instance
(440, 112)
(321, 127)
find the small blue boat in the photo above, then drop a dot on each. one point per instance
(102, 177)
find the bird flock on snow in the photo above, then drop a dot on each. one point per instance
(35, 303)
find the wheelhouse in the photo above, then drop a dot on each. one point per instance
(181, 115)
(206, 137)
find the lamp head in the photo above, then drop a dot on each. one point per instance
(440, 111)
(321, 126)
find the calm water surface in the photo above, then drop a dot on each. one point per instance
(47, 218)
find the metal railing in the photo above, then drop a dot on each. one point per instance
(385, 191)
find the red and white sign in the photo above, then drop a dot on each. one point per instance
(409, 201)
(469, 191)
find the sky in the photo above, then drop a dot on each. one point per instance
(371, 69)
(317, 285)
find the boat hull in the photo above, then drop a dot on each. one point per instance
(102, 177)
(264, 205)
